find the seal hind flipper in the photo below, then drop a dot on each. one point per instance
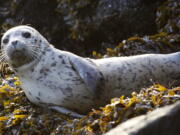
(89, 73)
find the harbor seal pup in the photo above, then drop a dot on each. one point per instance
(71, 84)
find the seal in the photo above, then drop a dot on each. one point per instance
(72, 84)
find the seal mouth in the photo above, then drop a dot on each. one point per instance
(19, 58)
(21, 61)
(17, 55)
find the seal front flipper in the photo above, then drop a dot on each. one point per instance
(89, 73)
(66, 111)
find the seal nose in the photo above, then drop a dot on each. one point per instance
(14, 42)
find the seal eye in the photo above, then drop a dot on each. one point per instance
(6, 40)
(26, 34)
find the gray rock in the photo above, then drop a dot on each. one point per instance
(162, 121)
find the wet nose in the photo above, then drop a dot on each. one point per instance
(14, 42)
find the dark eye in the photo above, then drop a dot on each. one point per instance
(26, 34)
(6, 40)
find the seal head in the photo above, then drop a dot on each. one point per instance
(23, 45)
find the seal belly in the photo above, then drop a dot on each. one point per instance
(55, 91)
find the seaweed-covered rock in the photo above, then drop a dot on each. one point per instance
(157, 43)
(121, 109)
(103, 23)
(167, 40)
(82, 25)
(18, 115)
(163, 121)
(168, 17)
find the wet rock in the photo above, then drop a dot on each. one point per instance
(163, 121)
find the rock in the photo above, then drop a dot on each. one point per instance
(168, 19)
(167, 40)
(104, 23)
(162, 121)
(82, 26)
